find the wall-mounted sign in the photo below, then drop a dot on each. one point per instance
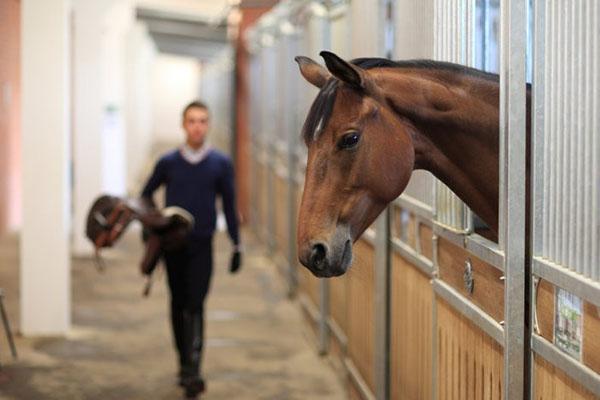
(568, 323)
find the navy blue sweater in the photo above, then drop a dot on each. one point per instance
(194, 187)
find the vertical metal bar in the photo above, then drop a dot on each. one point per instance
(323, 315)
(580, 223)
(539, 176)
(569, 185)
(292, 143)
(324, 333)
(596, 144)
(564, 134)
(587, 134)
(513, 149)
(550, 166)
(542, 67)
(382, 306)
(434, 326)
(539, 129)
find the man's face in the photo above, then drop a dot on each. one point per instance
(196, 123)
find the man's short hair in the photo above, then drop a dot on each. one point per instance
(194, 104)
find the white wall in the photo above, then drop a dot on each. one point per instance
(99, 76)
(45, 288)
(141, 54)
(216, 90)
(118, 21)
(175, 83)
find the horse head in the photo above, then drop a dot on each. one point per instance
(360, 158)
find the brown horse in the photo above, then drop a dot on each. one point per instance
(373, 122)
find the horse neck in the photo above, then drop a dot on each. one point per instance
(454, 122)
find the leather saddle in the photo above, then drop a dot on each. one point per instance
(165, 229)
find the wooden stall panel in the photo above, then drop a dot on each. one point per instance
(552, 383)
(545, 310)
(488, 289)
(281, 220)
(591, 336)
(469, 363)
(338, 301)
(360, 311)
(309, 285)
(426, 234)
(411, 320)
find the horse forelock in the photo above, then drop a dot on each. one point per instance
(320, 111)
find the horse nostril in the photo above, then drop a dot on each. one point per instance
(317, 256)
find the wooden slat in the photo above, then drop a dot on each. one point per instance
(552, 383)
(426, 234)
(470, 363)
(309, 284)
(591, 336)
(338, 301)
(488, 293)
(360, 318)
(545, 310)
(410, 352)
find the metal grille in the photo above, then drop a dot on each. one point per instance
(454, 22)
(413, 39)
(568, 136)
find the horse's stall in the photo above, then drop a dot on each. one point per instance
(424, 311)
(566, 200)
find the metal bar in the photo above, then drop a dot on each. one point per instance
(358, 380)
(369, 236)
(567, 279)
(434, 338)
(323, 315)
(470, 311)
(418, 260)
(539, 173)
(553, 86)
(416, 207)
(486, 250)
(456, 237)
(338, 333)
(381, 305)
(307, 304)
(588, 137)
(596, 145)
(577, 371)
(293, 45)
(580, 223)
(513, 172)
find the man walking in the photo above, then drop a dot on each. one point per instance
(194, 175)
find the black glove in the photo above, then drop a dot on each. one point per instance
(236, 262)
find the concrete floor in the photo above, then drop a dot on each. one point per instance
(120, 343)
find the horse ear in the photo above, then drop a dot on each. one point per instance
(343, 70)
(312, 72)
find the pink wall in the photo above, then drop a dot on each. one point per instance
(10, 110)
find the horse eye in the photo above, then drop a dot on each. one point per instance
(349, 140)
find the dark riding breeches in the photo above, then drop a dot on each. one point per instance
(189, 273)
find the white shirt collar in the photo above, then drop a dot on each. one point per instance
(194, 156)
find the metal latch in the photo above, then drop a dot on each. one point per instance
(468, 277)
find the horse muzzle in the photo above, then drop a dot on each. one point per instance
(327, 260)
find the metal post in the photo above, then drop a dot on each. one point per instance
(382, 306)
(512, 190)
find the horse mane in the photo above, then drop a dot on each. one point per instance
(321, 109)
(369, 63)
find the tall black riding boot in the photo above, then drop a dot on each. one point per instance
(193, 343)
